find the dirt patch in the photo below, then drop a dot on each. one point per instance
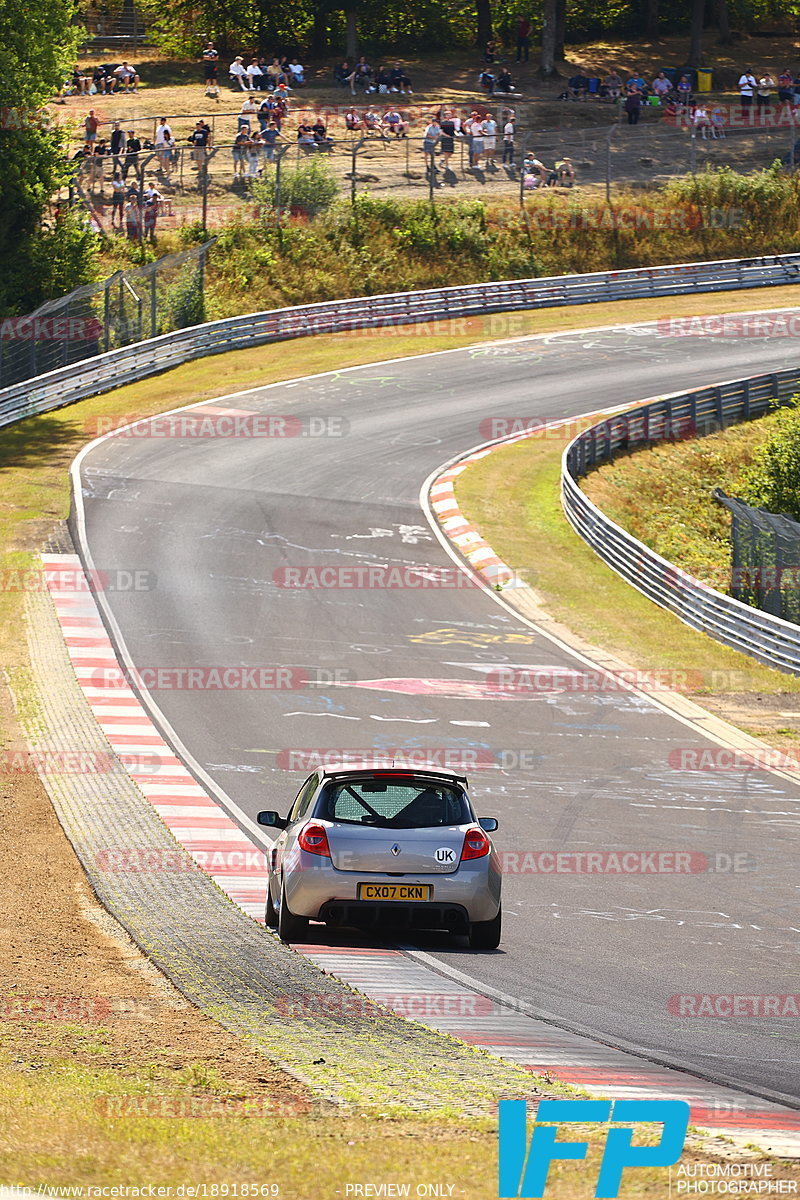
(62, 956)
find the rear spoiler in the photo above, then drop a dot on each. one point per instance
(405, 772)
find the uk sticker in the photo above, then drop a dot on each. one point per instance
(445, 855)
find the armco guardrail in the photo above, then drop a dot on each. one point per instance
(68, 384)
(762, 635)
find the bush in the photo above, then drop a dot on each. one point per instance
(309, 189)
(773, 479)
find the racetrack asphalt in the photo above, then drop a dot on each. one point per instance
(218, 521)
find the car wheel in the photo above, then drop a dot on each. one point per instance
(290, 927)
(270, 916)
(485, 935)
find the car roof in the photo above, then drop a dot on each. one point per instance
(393, 768)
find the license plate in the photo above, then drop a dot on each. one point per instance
(394, 891)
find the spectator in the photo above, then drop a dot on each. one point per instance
(447, 141)
(248, 110)
(165, 143)
(372, 122)
(489, 133)
(747, 85)
(99, 151)
(101, 81)
(486, 80)
(321, 136)
(764, 92)
(717, 122)
(661, 87)
(509, 130)
(399, 80)
(577, 87)
(702, 121)
(352, 120)
(636, 81)
(269, 138)
(490, 51)
(254, 148)
(785, 89)
(297, 76)
(383, 80)
(430, 139)
(238, 74)
(91, 125)
(198, 139)
(565, 172)
(475, 134)
(523, 38)
(275, 73)
(360, 75)
(305, 139)
(210, 67)
(684, 90)
(633, 106)
(240, 151)
(133, 219)
(80, 82)
(150, 202)
(132, 150)
(253, 75)
(504, 83)
(117, 197)
(126, 74)
(393, 121)
(118, 144)
(534, 173)
(342, 73)
(613, 84)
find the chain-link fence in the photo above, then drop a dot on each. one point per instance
(607, 157)
(765, 559)
(128, 306)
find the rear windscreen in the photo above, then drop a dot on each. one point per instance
(394, 804)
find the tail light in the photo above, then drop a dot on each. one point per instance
(314, 839)
(476, 844)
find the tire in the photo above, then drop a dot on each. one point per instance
(485, 935)
(290, 927)
(270, 916)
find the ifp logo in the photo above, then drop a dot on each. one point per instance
(523, 1168)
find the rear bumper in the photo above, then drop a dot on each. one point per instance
(473, 890)
(367, 914)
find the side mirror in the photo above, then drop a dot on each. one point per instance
(271, 817)
(488, 824)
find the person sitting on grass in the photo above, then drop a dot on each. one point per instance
(126, 74)
(486, 81)
(565, 172)
(535, 173)
(661, 87)
(613, 84)
(504, 83)
(306, 140)
(296, 73)
(578, 87)
(383, 80)
(322, 138)
(80, 83)
(342, 73)
(360, 76)
(399, 80)
(238, 74)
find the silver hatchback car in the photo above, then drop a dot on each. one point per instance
(371, 847)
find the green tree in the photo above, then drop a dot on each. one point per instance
(772, 481)
(37, 48)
